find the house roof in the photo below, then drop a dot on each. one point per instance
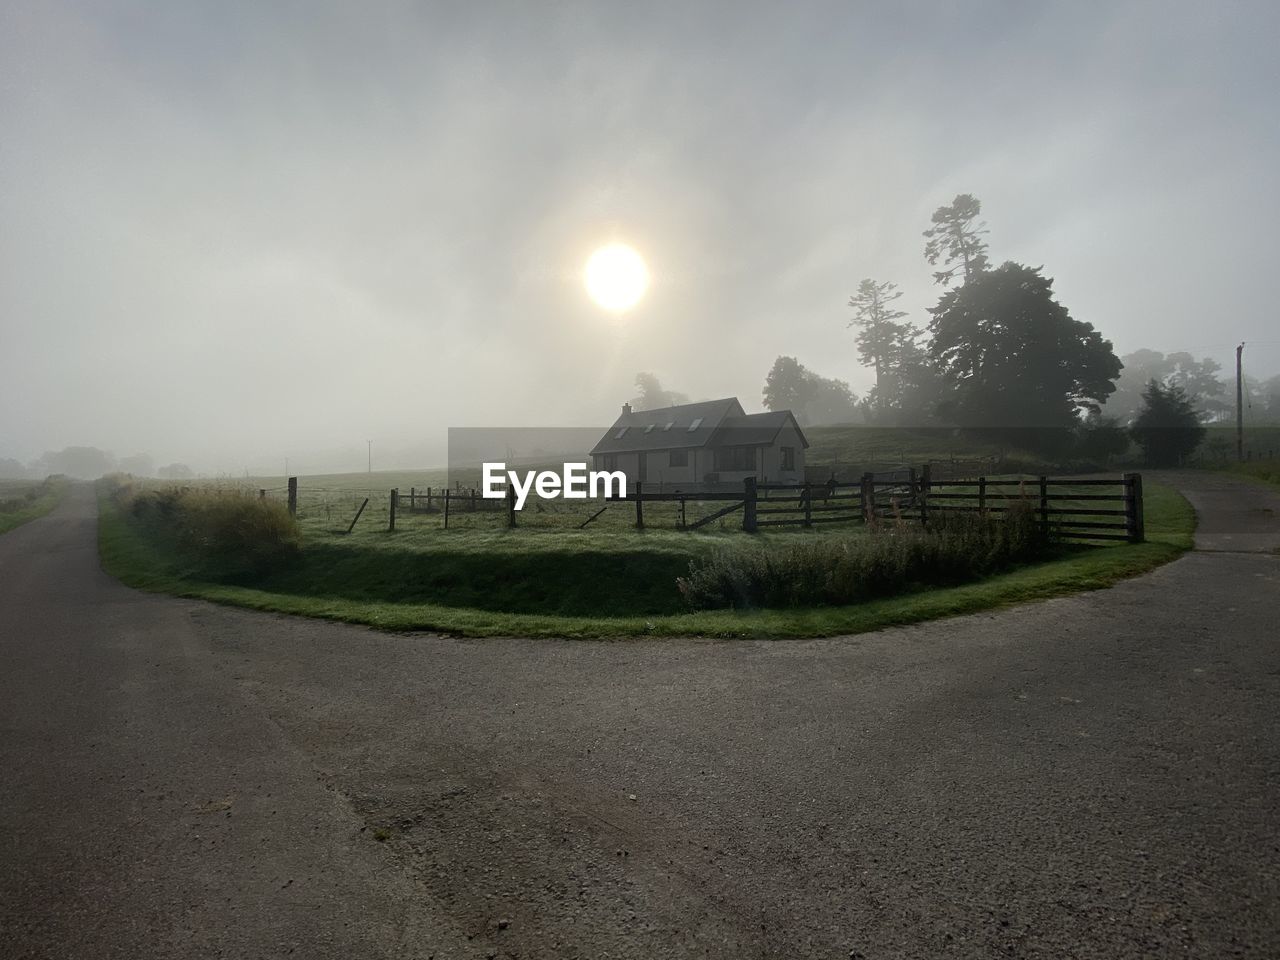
(755, 429)
(719, 423)
(649, 430)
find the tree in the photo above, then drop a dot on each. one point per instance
(652, 396)
(175, 471)
(1012, 358)
(956, 239)
(813, 399)
(12, 469)
(1198, 379)
(82, 463)
(1100, 438)
(1168, 427)
(886, 344)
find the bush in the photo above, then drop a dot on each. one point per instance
(954, 548)
(227, 534)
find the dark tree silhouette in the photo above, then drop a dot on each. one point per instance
(956, 239)
(885, 343)
(1012, 358)
(1167, 427)
(789, 385)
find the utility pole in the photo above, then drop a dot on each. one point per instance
(1239, 406)
(370, 443)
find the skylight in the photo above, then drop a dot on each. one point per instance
(669, 425)
(649, 427)
(621, 431)
(695, 425)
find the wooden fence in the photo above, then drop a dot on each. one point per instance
(1069, 508)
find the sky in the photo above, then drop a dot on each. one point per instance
(236, 232)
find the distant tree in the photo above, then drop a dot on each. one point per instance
(784, 385)
(1265, 398)
(956, 239)
(140, 465)
(12, 470)
(1198, 379)
(652, 396)
(1168, 426)
(82, 463)
(886, 343)
(813, 399)
(175, 471)
(1012, 358)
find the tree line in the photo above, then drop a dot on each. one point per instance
(1000, 356)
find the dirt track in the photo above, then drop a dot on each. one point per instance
(1097, 776)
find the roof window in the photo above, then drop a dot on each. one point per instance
(695, 425)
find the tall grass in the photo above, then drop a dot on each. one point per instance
(224, 534)
(897, 558)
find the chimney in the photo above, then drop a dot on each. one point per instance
(626, 409)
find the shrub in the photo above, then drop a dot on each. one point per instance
(955, 547)
(227, 534)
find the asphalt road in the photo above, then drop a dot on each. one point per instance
(1096, 776)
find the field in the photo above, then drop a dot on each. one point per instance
(547, 578)
(23, 500)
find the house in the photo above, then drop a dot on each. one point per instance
(698, 444)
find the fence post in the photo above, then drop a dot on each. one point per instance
(639, 505)
(262, 494)
(391, 512)
(868, 498)
(749, 505)
(511, 505)
(428, 498)
(808, 505)
(924, 495)
(1133, 521)
(413, 499)
(473, 499)
(293, 496)
(446, 507)
(982, 494)
(682, 523)
(1044, 505)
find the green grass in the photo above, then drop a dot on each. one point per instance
(553, 583)
(25, 500)
(1264, 471)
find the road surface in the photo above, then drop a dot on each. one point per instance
(1095, 776)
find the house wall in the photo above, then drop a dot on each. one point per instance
(659, 474)
(771, 461)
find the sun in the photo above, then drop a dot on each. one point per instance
(616, 277)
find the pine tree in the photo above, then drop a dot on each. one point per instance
(956, 239)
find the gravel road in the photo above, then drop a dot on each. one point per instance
(1095, 776)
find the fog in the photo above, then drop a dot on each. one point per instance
(236, 233)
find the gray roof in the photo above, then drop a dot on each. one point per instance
(722, 423)
(648, 430)
(755, 429)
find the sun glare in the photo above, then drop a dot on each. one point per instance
(616, 277)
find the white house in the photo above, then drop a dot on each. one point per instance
(697, 444)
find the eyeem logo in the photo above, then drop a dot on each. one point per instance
(575, 482)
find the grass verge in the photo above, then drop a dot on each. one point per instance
(23, 502)
(1170, 522)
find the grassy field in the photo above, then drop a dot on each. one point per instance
(23, 500)
(484, 580)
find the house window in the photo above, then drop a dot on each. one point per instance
(679, 458)
(735, 458)
(788, 458)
